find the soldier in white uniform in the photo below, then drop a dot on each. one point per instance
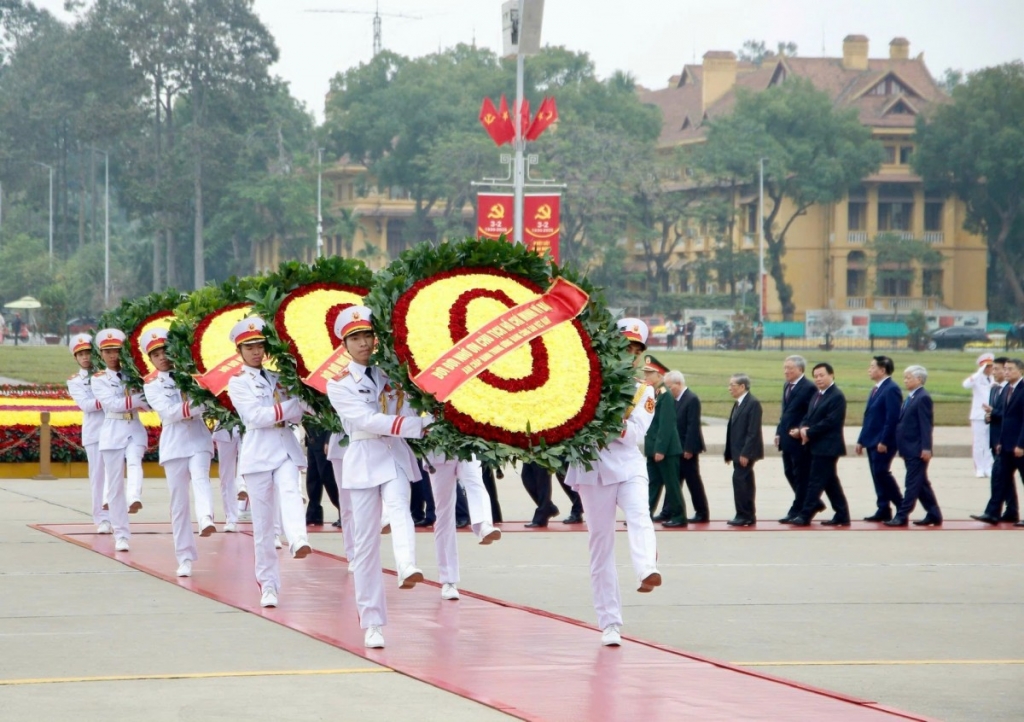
(122, 438)
(186, 448)
(226, 442)
(270, 459)
(443, 479)
(979, 384)
(80, 388)
(377, 468)
(619, 478)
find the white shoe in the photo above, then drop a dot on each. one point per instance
(374, 638)
(449, 591)
(410, 578)
(121, 545)
(104, 528)
(489, 534)
(610, 636)
(277, 542)
(301, 548)
(245, 516)
(185, 569)
(230, 527)
(269, 597)
(206, 527)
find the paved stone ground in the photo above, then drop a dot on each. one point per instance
(928, 622)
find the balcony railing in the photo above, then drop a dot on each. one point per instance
(934, 238)
(858, 237)
(903, 303)
(855, 302)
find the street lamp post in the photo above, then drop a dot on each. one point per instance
(49, 168)
(106, 224)
(760, 241)
(319, 208)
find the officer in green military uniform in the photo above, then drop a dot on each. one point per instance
(663, 448)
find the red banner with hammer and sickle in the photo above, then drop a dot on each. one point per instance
(494, 213)
(480, 348)
(542, 223)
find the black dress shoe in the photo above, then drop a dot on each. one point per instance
(788, 519)
(536, 525)
(552, 511)
(897, 521)
(799, 521)
(741, 522)
(1020, 523)
(929, 520)
(662, 517)
(835, 522)
(463, 523)
(670, 524)
(336, 524)
(699, 519)
(985, 518)
(820, 507)
(421, 523)
(573, 519)
(878, 516)
(1009, 518)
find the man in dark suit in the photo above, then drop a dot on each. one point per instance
(692, 438)
(822, 431)
(878, 436)
(914, 443)
(743, 447)
(1011, 436)
(663, 449)
(1000, 492)
(796, 458)
(537, 482)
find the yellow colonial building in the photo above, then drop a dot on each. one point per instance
(828, 261)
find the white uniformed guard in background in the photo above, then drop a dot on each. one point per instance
(979, 384)
(122, 437)
(335, 453)
(270, 459)
(443, 479)
(80, 388)
(377, 468)
(186, 447)
(226, 444)
(619, 479)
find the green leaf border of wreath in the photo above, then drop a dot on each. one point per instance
(268, 298)
(127, 317)
(617, 382)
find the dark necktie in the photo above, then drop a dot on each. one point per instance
(874, 391)
(1008, 393)
(369, 375)
(817, 398)
(263, 373)
(785, 394)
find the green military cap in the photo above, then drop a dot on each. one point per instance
(653, 364)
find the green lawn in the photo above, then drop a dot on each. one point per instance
(707, 373)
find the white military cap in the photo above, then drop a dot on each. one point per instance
(248, 330)
(352, 319)
(80, 342)
(634, 329)
(153, 339)
(109, 338)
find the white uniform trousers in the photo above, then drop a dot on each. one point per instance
(345, 502)
(96, 483)
(227, 463)
(270, 491)
(181, 474)
(599, 503)
(365, 563)
(114, 463)
(982, 450)
(443, 482)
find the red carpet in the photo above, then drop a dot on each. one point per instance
(521, 661)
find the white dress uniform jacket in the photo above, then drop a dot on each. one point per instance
(622, 459)
(183, 433)
(80, 388)
(979, 385)
(368, 409)
(121, 425)
(267, 440)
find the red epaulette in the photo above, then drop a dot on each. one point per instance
(98, 373)
(72, 377)
(344, 372)
(151, 376)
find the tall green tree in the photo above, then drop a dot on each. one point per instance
(974, 148)
(813, 154)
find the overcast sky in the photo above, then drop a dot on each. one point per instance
(652, 39)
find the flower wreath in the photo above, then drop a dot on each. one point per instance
(135, 317)
(191, 319)
(301, 304)
(556, 400)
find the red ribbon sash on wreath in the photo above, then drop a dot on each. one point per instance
(216, 379)
(475, 352)
(329, 369)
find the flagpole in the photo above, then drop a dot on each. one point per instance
(520, 142)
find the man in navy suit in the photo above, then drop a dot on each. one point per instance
(1011, 436)
(797, 393)
(822, 431)
(1001, 492)
(914, 443)
(743, 447)
(878, 436)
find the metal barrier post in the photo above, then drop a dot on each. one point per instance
(44, 448)
(782, 342)
(871, 337)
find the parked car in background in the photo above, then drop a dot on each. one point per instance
(85, 324)
(956, 337)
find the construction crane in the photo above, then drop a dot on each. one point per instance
(377, 14)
